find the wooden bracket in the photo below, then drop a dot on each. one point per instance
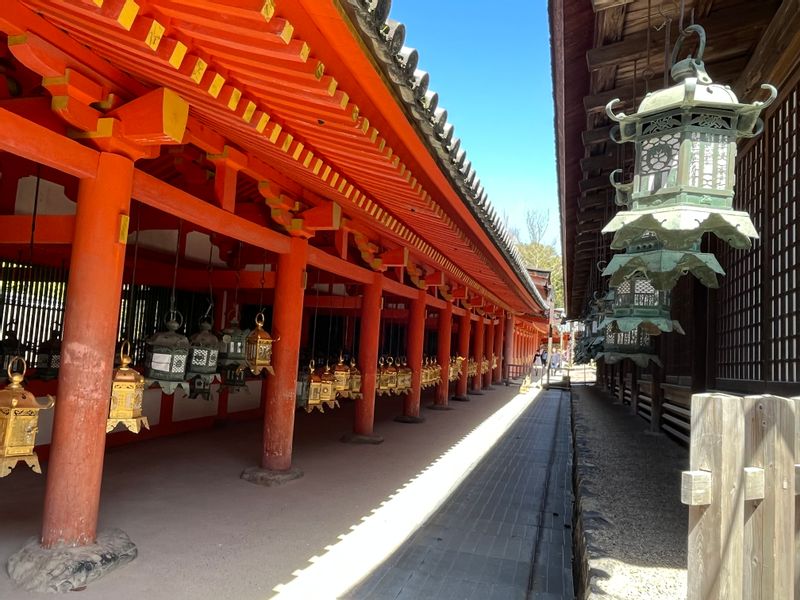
(228, 164)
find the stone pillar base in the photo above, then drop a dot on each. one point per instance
(67, 568)
(407, 419)
(475, 392)
(439, 407)
(358, 438)
(270, 478)
(459, 399)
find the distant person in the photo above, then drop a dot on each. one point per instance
(555, 362)
(537, 363)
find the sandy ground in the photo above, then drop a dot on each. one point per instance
(632, 491)
(202, 532)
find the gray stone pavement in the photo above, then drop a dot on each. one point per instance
(505, 532)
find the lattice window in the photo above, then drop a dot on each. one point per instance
(658, 162)
(739, 297)
(784, 229)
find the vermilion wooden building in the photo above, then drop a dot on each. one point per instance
(270, 154)
(740, 338)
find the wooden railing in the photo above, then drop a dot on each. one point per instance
(741, 493)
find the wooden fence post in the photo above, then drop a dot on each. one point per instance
(742, 497)
(714, 490)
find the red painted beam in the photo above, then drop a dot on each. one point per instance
(50, 229)
(34, 142)
(158, 194)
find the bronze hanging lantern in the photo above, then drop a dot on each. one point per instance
(455, 368)
(355, 380)
(203, 358)
(311, 386)
(403, 377)
(127, 392)
(327, 394)
(48, 359)
(636, 345)
(484, 366)
(685, 139)
(472, 367)
(19, 421)
(647, 257)
(231, 359)
(341, 376)
(637, 303)
(166, 356)
(10, 347)
(258, 348)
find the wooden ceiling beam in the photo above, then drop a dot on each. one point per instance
(596, 136)
(720, 26)
(598, 5)
(777, 52)
(602, 162)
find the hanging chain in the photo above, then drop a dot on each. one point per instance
(330, 329)
(263, 279)
(175, 270)
(238, 281)
(131, 294)
(35, 207)
(316, 314)
(210, 282)
(667, 58)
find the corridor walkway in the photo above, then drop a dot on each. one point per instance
(203, 533)
(505, 532)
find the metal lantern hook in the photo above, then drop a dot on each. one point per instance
(701, 48)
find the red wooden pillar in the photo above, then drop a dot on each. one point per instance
(508, 345)
(464, 325)
(287, 322)
(478, 353)
(443, 352)
(368, 362)
(499, 348)
(416, 342)
(75, 470)
(489, 353)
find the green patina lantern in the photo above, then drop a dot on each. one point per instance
(636, 345)
(202, 362)
(647, 257)
(685, 140)
(166, 356)
(638, 304)
(10, 347)
(232, 360)
(48, 358)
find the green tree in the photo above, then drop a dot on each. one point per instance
(538, 254)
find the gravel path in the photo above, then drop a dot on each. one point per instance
(634, 524)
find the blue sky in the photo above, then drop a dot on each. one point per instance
(490, 65)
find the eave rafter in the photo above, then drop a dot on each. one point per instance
(144, 37)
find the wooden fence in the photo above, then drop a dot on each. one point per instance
(742, 498)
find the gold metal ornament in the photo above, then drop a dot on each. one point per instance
(19, 422)
(355, 380)
(127, 391)
(403, 377)
(258, 348)
(341, 376)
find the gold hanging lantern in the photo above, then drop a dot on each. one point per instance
(355, 380)
(436, 377)
(314, 389)
(455, 368)
(19, 422)
(494, 361)
(472, 368)
(484, 366)
(127, 391)
(341, 376)
(404, 377)
(258, 348)
(425, 374)
(328, 392)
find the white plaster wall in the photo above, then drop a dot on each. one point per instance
(246, 399)
(52, 200)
